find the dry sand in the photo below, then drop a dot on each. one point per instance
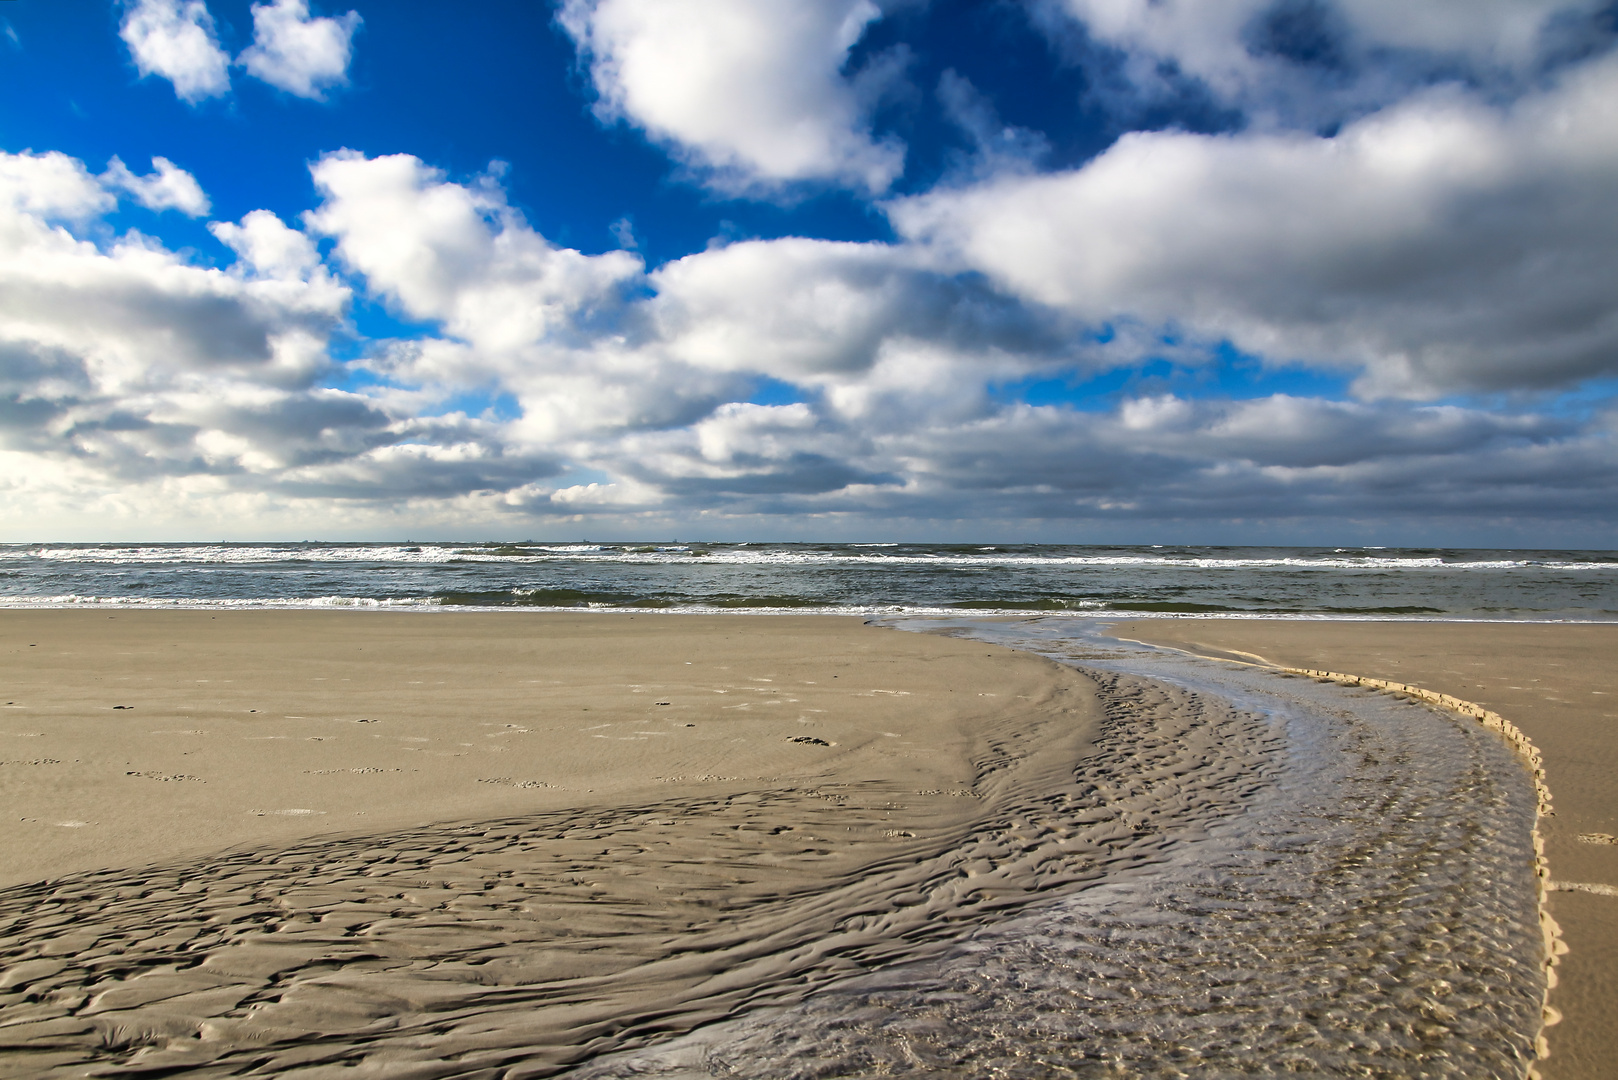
(1559, 685)
(162, 735)
(276, 839)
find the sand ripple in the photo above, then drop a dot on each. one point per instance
(523, 947)
(1218, 884)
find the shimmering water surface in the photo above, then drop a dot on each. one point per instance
(856, 578)
(1365, 908)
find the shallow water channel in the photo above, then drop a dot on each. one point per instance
(1361, 905)
(1242, 874)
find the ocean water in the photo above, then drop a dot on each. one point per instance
(870, 579)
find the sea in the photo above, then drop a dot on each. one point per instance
(841, 578)
(1345, 887)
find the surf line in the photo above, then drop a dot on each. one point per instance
(1550, 933)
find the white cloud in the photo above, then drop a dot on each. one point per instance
(458, 254)
(1318, 62)
(167, 187)
(541, 322)
(638, 376)
(1159, 459)
(49, 186)
(136, 381)
(302, 55)
(265, 243)
(997, 147)
(175, 39)
(623, 231)
(135, 315)
(816, 312)
(791, 308)
(134, 364)
(1440, 245)
(751, 93)
(1496, 33)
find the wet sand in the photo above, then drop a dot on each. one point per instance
(272, 840)
(1559, 685)
(459, 844)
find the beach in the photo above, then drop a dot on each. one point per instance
(1559, 685)
(509, 843)
(220, 805)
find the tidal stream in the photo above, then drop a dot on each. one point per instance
(1368, 909)
(1238, 874)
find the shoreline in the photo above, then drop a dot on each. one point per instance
(636, 822)
(894, 791)
(431, 605)
(1567, 717)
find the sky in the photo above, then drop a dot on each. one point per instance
(1086, 271)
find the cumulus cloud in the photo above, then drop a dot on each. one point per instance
(743, 452)
(128, 367)
(1149, 459)
(458, 254)
(813, 311)
(751, 95)
(167, 187)
(1166, 458)
(893, 349)
(269, 248)
(133, 318)
(48, 187)
(295, 52)
(1441, 245)
(175, 40)
(1450, 243)
(515, 312)
(1320, 62)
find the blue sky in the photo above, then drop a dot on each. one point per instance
(1255, 271)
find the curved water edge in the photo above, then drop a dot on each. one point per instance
(1372, 908)
(466, 948)
(1554, 947)
(1241, 873)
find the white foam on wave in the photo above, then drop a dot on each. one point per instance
(74, 600)
(868, 554)
(1088, 610)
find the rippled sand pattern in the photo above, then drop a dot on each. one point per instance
(1326, 883)
(520, 948)
(1370, 914)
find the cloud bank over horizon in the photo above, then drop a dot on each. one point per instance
(1312, 271)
